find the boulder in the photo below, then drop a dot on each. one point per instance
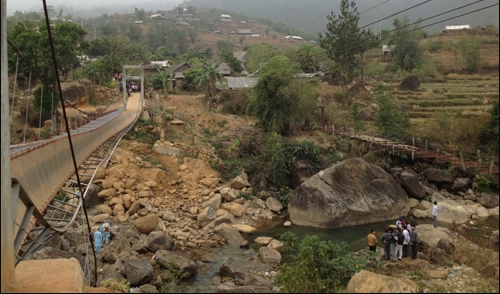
(214, 202)
(449, 211)
(240, 182)
(134, 207)
(109, 273)
(410, 183)
(100, 218)
(369, 282)
(225, 218)
(410, 83)
(269, 255)
(424, 205)
(446, 246)
(414, 202)
(273, 204)
(92, 198)
(147, 288)
(430, 236)
(168, 216)
(244, 228)
(494, 240)
(263, 240)
(276, 245)
(229, 233)
(165, 148)
(206, 216)
(227, 194)
(256, 280)
(159, 241)
(417, 213)
(482, 213)
(352, 192)
(233, 208)
(437, 274)
(438, 256)
(147, 223)
(106, 193)
(181, 262)
(489, 200)
(139, 272)
(104, 209)
(438, 176)
(460, 184)
(228, 269)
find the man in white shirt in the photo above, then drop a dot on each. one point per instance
(435, 214)
(406, 241)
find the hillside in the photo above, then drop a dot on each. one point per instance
(310, 16)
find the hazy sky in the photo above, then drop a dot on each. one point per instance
(37, 5)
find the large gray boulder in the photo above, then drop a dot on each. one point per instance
(489, 200)
(207, 215)
(369, 282)
(180, 261)
(229, 233)
(438, 176)
(269, 255)
(214, 202)
(410, 183)
(229, 269)
(147, 223)
(350, 193)
(460, 184)
(139, 272)
(494, 240)
(158, 240)
(273, 204)
(449, 211)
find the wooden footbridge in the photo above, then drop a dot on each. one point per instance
(416, 151)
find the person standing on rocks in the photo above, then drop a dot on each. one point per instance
(106, 231)
(435, 214)
(372, 241)
(413, 242)
(386, 239)
(406, 242)
(399, 246)
(394, 244)
(98, 241)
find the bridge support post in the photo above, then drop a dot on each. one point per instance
(124, 86)
(9, 203)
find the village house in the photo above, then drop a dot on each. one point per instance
(225, 18)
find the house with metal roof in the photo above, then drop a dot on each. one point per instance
(241, 82)
(241, 55)
(244, 32)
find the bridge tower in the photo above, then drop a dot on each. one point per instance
(125, 78)
(8, 203)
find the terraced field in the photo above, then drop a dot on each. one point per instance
(460, 96)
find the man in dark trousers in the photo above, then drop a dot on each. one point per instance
(386, 240)
(413, 242)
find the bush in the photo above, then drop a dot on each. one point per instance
(390, 122)
(374, 69)
(123, 286)
(318, 266)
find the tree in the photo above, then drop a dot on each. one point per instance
(306, 57)
(258, 55)
(343, 40)
(208, 79)
(140, 13)
(164, 81)
(228, 57)
(279, 101)
(357, 124)
(225, 45)
(134, 32)
(390, 122)
(490, 134)
(406, 50)
(470, 53)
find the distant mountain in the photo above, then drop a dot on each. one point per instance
(311, 16)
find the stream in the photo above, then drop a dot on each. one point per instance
(355, 236)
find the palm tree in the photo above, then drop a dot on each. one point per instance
(207, 80)
(164, 80)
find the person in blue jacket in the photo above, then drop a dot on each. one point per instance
(105, 229)
(98, 241)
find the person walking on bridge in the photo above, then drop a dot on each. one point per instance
(98, 241)
(106, 231)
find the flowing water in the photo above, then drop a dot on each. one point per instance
(355, 236)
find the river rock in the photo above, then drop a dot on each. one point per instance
(417, 213)
(460, 184)
(106, 193)
(228, 269)
(438, 176)
(182, 262)
(139, 272)
(244, 228)
(276, 245)
(446, 245)
(414, 202)
(147, 288)
(92, 198)
(269, 255)
(158, 240)
(228, 194)
(233, 208)
(410, 183)
(168, 216)
(482, 213)
(147, 223)
(489, 200)
(256, 280)
(369, 282)
(273, 204)
(206, 216)
(214, 202)
(229, 233)
(350, 193)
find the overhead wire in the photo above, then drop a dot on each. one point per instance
(374, 7)
(47, 20)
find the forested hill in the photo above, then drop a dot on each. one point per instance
(310, 16)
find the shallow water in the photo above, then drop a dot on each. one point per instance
(354, 236)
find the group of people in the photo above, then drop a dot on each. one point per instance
(397, 242)
(101, 235)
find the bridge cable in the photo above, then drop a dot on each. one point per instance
(14, 92)
(27, 108)
(41, 108)
(373, 7)
(69, 136)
